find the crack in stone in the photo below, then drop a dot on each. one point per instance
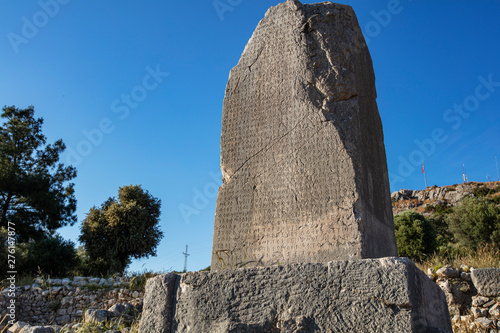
(256, 58)
(266, 148)
(298, 148)
(276, 163)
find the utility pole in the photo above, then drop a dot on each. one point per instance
(186, 255)
(498, 174)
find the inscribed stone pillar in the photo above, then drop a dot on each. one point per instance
(302, 150)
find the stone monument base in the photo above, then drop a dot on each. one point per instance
(364, 295)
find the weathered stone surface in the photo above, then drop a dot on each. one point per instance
(479, 301)
(486, 281)
(118, 309)
(479, 312)
(37, 329)
(158, 304)
(494, 311)
(448, 272)
(302, 152)
(485, 323)
(364, 295)
(97, 316)
(489, 304)
(17, 327)
(35, 305)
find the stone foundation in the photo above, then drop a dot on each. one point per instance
(365, 295)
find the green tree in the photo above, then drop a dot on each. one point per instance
(438, 220)
(122, 228)
(93, 267)
(444, 236)
(475, 221)
(52, 255)
(34, 195)
(415, 236)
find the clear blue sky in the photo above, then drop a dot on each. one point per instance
(437, 75)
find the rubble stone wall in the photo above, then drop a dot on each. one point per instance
(473, 296)
(65, 301)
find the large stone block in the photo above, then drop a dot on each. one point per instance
(365, 295)
(302, 151)
(158, 304)
(486, 281)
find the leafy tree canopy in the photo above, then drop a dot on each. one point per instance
(475, 221)
(415, 236)
(52, 255)
(123, 228)
(33, 190)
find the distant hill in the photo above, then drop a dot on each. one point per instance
(425, 201)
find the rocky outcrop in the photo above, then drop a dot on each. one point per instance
(450, 194)
(302, 151)
(365, 295)
(445, 196)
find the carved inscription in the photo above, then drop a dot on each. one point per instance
(293, 152)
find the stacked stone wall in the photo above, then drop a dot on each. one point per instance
(473, 297)
(65, 301)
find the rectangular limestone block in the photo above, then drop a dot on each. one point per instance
(364, 295)
(158, 304)
(486, 281)
(302, 149)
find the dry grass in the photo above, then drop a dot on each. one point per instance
(3, 326)
(465, 326)
(484, 257)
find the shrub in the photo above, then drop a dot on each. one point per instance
(441, 228)
(53, 255)
(101, 267)
(415, 236)
(443, 210)
(482, 191)
(475, 221)
(430, 208)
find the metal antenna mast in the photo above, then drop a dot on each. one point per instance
(186, 255)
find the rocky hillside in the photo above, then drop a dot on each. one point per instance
(424, 201)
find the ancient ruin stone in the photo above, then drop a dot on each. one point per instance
(158, 303)
(364, 295)
(487, 281)
(302, 152)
